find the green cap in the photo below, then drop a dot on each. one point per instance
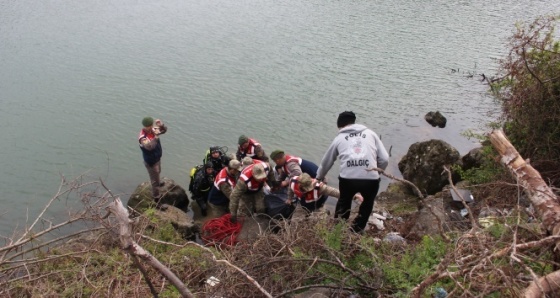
(147, 121)
(243, 139)
(276, 154)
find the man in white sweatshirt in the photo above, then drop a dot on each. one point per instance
(358, 148)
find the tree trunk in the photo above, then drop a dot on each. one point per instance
(541, 196)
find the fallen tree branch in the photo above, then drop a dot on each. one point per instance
(543, 199)
(414, 187)
(541, 196)
(135, 250)
(251, 279)
(546, 284)
(417, 291)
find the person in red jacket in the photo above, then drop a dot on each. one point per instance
(249, 190)
(149, 142)
(251, 148)
(310, 193)
(219, 197)
(289, 166)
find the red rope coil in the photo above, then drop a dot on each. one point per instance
(221, 231)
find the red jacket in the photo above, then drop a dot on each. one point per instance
(250, 150)
(224, 177)
(310, 196)
(247, 176)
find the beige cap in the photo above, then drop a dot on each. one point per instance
(247, 161)
(258, 172)
(235, 164)
(305, 182)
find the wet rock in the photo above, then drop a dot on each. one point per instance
(394, 238)
(473, 159)
(429, 217)
(182, 221)
(396, 203)
(172, 194)
(400, 188)
(423, 164)
(436, 119)
(253, 226)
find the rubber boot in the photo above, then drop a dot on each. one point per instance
(203, 207)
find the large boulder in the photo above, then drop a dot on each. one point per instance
(423, 164)
(172, 194)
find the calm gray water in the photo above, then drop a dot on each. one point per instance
(77, 77)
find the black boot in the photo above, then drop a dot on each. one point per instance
(202, 204)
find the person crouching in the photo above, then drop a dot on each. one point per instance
(310, 193)
(220, 193)
(249, 190)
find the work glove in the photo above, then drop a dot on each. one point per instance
(233, 219)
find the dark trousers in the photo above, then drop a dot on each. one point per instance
(348, 188)
(312, 206)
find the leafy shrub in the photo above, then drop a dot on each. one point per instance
(404, 270)
(490, 170)
(530, 95)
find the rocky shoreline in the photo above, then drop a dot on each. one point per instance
(422, 165)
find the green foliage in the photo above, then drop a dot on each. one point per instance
(489, 170)
(160, 230)
(530, 93)
(404, 270)
(497, 230)
(170, 292)
(404, 207)
(333, 237)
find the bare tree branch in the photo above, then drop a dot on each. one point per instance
(414, 187)
(132, 248)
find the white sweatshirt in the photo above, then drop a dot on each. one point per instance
(358, 148)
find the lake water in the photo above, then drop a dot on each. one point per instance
(77, 77)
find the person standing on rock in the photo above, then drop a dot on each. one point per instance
(152, 151)
(358, 148)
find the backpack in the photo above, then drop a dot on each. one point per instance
(192, 174)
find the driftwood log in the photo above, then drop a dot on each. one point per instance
(136, 251)
(543, 199)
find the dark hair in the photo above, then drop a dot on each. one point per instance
(345, 118)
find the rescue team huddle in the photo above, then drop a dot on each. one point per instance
(237, 184)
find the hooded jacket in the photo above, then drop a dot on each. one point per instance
(358, 148)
